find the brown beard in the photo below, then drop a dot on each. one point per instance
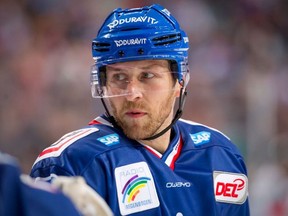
(146, 127)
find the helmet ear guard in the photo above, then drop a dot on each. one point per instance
(183, 70)
(97, 80)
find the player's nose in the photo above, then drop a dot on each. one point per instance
(134, 90)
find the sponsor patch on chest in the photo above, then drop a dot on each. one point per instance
(230, 187)
(135, 188)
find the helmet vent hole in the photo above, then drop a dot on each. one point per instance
(129, 29)
(167, 39)
(101, 47)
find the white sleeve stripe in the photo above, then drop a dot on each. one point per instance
(58, 147)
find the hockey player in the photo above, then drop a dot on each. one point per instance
(21, 197)
(140, 156)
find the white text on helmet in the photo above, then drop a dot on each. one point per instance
(142, 19)
(135, 41)
(186, 40)
(166, 11)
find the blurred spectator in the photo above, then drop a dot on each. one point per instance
(269, 190)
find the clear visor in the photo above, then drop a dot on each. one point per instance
(122, 80)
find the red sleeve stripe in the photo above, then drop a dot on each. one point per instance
(94, 122)
(59, 145)
(57, 148)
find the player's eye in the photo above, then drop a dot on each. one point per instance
(147, 75)
(119, 77)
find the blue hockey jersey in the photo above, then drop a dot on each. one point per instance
(27, 198)
(201, 172)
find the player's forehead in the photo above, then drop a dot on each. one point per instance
(142, 64)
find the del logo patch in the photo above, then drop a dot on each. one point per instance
(135, 188)
(230, 187)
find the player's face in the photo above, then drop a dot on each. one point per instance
(150, 90)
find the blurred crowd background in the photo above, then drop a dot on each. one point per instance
(239, 78)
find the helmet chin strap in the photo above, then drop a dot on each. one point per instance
(178, 114)
(110, 117)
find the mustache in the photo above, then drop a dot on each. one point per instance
(134, 105)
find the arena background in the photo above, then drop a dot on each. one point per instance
(239, 78)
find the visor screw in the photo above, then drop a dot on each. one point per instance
(121, 53)
(140, 51)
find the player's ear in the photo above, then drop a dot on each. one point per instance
(177, 89)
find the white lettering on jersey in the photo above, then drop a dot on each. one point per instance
(230, 187)
(178, 184)
(136, 190)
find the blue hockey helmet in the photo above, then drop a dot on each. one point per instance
(145, 33)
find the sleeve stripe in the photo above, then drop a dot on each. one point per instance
(57, 148)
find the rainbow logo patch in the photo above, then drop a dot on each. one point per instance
(133, 186)
(136, 189)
